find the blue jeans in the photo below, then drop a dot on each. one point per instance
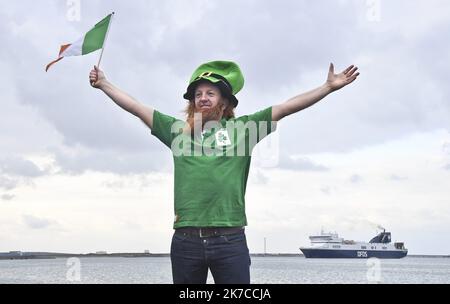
(226, 256)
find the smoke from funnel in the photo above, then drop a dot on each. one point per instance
(375, 225)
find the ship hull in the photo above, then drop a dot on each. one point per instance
(352, 254)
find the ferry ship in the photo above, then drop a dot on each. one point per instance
(330, 245)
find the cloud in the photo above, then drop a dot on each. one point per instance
(446, 152)
(325, 190)
(355, 179)
(277, 65)
(283, 50)
(18, 166)
(117, 184)
(7, 197)
(299, 163)
(78, 160)
(395, 177)
(259, 177)
(446, 148)
(131, 225)
(8, 183)
(34, 222)
(16, 171)
(139, 181)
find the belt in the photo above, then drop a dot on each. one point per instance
(208, 231)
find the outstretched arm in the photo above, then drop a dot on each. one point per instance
(334, 82)
(98, 80)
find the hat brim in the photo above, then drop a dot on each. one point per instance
(224, 90)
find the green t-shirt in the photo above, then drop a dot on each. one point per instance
(211, 169)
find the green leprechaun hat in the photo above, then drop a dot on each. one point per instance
(225, 74)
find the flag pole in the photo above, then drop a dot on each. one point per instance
(106, 38)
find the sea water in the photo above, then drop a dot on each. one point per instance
(264, 270)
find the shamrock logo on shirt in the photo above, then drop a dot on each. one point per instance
(222, 137)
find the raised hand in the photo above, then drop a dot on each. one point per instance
(337, 81)
(96, 77)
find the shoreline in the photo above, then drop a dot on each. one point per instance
(51, 255)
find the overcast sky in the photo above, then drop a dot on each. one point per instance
(78, 174)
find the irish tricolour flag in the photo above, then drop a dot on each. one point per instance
(91, 41)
